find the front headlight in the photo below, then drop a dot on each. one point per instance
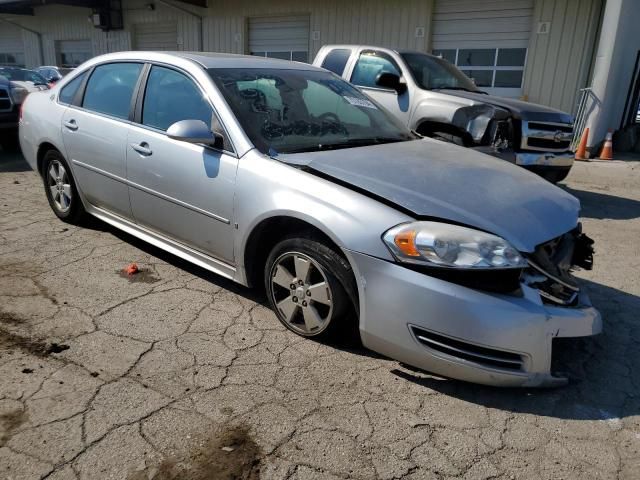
(441, 244)
(18, 94)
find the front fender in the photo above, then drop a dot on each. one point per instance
(466, 115)
(267, 188)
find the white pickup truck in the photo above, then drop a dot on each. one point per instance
(434, 98)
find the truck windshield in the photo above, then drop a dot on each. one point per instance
(433, 73)
(287, 111)
(22, 75)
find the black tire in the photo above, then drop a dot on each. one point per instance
(74, 213)
(341, 319)
(9, 142)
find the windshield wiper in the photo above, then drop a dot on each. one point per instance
(353, 142)
(443, 87)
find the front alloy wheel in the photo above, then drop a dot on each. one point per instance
(307, 283)
(301, 293)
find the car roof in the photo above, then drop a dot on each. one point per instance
(229, 60)
(399, 51)
(208, 60)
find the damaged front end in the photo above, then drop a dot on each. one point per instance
(528, 135)
(551, 264)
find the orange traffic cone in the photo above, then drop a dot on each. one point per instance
(607, 149)
(581, 153)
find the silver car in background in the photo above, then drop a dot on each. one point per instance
(281, 174)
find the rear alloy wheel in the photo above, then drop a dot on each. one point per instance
(61, 189)
(303, 286)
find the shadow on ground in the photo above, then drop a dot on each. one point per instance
(602, 205)
(12, 162)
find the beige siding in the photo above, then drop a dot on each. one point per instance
(478, 23)
(360, 21)
(558, 62)
(224, 26)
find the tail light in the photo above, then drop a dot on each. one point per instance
(21, 108)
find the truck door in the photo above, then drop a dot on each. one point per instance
(369, 65)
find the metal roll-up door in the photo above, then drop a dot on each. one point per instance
(11, 45)
(71, 53)
(487, 40)
(156, 36)
(285, 37)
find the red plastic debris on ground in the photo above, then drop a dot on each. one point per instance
(131, 269)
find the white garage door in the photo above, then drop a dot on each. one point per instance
(280, 37)
(71, 53)
(487, 40)
(11, 46)
(156, 36)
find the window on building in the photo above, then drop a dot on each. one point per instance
(110, 88)
(489, 67)
(336, 60)
(69, 91)
(12, 59)
(171, 97)
(72, 53)
(288, 55)
(369, 66)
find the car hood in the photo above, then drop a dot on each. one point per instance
(434, 179)
(520, 109)
(29, 86)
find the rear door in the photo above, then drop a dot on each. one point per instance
(181, 190)
(368, 66)
(94, 130)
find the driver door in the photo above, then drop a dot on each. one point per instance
(181, 190)
(369, 65)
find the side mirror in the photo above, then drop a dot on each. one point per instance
(194, 131)
(391, 81)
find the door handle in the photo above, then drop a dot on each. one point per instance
(71, 125)
(142, 148)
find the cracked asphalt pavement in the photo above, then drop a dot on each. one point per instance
(181, 374)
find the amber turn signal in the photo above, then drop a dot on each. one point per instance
(406, 242)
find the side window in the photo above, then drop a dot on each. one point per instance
(170, 97)
(336, 60)
(369, 65)
(110, 88)
(69, 91)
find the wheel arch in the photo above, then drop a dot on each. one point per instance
(43, 148)
(426, 126)
(269, 231)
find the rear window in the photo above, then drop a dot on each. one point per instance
(68, 92)
(336, 60)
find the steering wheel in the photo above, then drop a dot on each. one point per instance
(329, 116)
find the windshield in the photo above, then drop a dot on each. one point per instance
(286, 111)
(22, 75)
(432, 73)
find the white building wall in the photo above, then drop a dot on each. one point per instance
(224, 24)
(387, 22)
(559, 61)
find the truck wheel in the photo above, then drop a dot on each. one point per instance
(60, 188)
(305, 283)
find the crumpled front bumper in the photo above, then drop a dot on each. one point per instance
(395, 300)
(544, 159)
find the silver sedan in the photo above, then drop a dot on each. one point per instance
(283, 176)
